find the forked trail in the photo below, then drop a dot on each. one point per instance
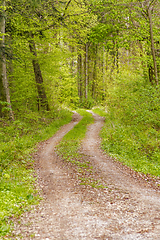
(127, 209)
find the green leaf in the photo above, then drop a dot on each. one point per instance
(30, 197)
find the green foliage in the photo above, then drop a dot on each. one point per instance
(18, 138)
(23, 89)
(5, 106)
(15, 188)
(17, 142)
(132, 130)
(61, 85)
(87, 103)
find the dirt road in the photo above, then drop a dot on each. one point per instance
(128, 208)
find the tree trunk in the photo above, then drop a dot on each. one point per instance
(152, 45)
(117, 58)
(151, 74)
(86, 70)
(79, 70)
(103, 71)
(114, 56)
(4, 88)
(42, 98)
(72, 62)
(94, 72)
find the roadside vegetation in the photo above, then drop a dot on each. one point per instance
(18, 141)
(132, 128)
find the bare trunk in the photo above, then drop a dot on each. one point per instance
(151, 73)
(117, 58)
(114, 55)
(94, 74)
(152, 45)
(86, 70)
(103, 71)
(42, 98)
(79, 70)
(4, 91)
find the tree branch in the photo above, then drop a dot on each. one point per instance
(151, 3)
(66, 7)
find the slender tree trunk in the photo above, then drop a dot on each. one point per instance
(72, 62)
(117, 58)
(86, 70)
(2, 93)
(79, 70)
(42, 98)
(151, 73)
(94, 73)
(152, 45)
(114, 55)
(104, 71)
(4, 88)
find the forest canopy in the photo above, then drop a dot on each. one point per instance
(72, 52)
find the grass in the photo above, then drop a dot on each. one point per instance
(100, 111)
(70, 143)
(79, 131)
(17, 178)
(136, 145)
(69, 147)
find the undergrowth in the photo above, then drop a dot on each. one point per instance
(132, 128)
(69, 147)
(17, 178)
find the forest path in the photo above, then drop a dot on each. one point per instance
(127, 209)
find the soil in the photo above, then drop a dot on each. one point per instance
(128, 207)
